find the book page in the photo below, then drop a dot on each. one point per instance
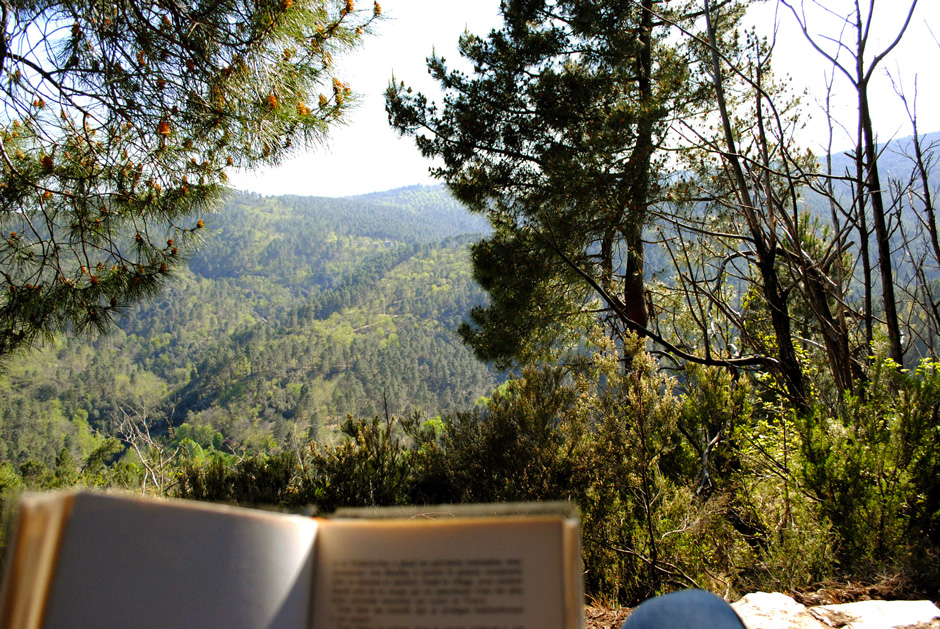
(40, 521)
(508, 573)
(126, 562)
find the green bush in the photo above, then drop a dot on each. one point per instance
(873, 467)
(695, 482)
(522, 447)
(252, 481)
(371, 467)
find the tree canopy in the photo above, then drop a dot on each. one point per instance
(557, 138)
(119, 121)
(593, 133)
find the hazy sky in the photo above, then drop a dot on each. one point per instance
(366, 155)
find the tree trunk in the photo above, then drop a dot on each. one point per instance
(634, 297)
(885, 266)
(765, 244)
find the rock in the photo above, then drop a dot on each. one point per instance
(762, 610)
(878, 614)
(778, 611)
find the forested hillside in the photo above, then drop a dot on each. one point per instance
(295, 312)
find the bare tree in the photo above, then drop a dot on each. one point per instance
(157, 457)
(859, 72)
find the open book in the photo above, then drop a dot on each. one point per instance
(85, 559)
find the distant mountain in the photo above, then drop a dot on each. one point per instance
(895, 158)
(296, 311)
(895, 163)
(431, 205)
(279, 237)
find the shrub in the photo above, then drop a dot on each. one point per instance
(371, 467)
(872, 469)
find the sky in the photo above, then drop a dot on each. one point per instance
(367, 155)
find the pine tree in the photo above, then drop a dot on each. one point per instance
(119, 122)
(555, 139)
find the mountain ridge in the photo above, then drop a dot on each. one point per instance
(295, 312)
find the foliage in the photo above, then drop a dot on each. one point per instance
(295, 313)
(783, 449)
(553, 434)
(554, 139)
(802, 439)
(779, 502)
(252, 481)
(369, 468)
(521, 447)
(119, 122)
(873, 470)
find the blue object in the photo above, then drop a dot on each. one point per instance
(684, 610)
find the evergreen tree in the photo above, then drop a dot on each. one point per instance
(119, 121)
(555, 139)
